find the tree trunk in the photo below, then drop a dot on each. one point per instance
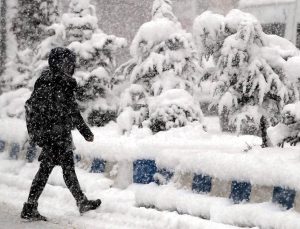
(3, 38)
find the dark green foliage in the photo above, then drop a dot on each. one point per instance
(32, 18)
(101, 117)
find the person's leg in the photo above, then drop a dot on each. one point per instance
(70, 177)
(29, 210)
(72, 183)
(39, 182)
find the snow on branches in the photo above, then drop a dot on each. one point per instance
(249, 73)
(163, 58)
(95, 53)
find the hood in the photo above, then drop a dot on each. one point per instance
(59, 56)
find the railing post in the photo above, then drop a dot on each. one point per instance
(98, 166)
(144, 171)
(284, 196)
(240, 191)
(31, 153)
(201, 183)
(14, 151)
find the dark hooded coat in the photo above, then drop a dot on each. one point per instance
(54, 94)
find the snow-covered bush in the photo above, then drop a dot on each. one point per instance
(173, 108)
(133, 108)
(288, 130)
(163, 57)
(249, 72)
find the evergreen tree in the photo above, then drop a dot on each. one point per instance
(163, 59)
(32, 18)
(28, 28)
(95, 53)
(249, 70)
(3, 10)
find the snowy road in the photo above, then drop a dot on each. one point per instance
(117, 211)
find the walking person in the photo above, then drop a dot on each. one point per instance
(51, 113)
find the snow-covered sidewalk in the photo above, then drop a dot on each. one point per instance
(117, 211)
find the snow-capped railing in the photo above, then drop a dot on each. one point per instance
(146, 171)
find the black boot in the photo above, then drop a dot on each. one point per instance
(86, 205)
(31, 213)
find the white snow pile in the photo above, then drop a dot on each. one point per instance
(292, 68)
(152, 33)
(222, 210)
(12, 103)
(13, 130)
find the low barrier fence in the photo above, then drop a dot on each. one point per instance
(146, 171)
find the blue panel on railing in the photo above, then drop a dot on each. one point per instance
(201, 183)
(77, 158)
(166, 175)
(31, 153)
(240, 191)
(143, 171)
(14, 151)
(284, 196)
(98, 166)
(2, 145)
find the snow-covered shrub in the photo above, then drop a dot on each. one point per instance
(173, 108)
(133, 109)
(163, 56)
(288, 130)
(249, 73)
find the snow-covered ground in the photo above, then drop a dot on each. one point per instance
(187, 150)
(118, 209)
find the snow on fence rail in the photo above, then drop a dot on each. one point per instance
(223, 171)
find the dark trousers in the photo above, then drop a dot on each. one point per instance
(69, 176)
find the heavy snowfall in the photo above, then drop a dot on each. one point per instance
(193, 111)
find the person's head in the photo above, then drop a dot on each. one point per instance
(62, 60)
